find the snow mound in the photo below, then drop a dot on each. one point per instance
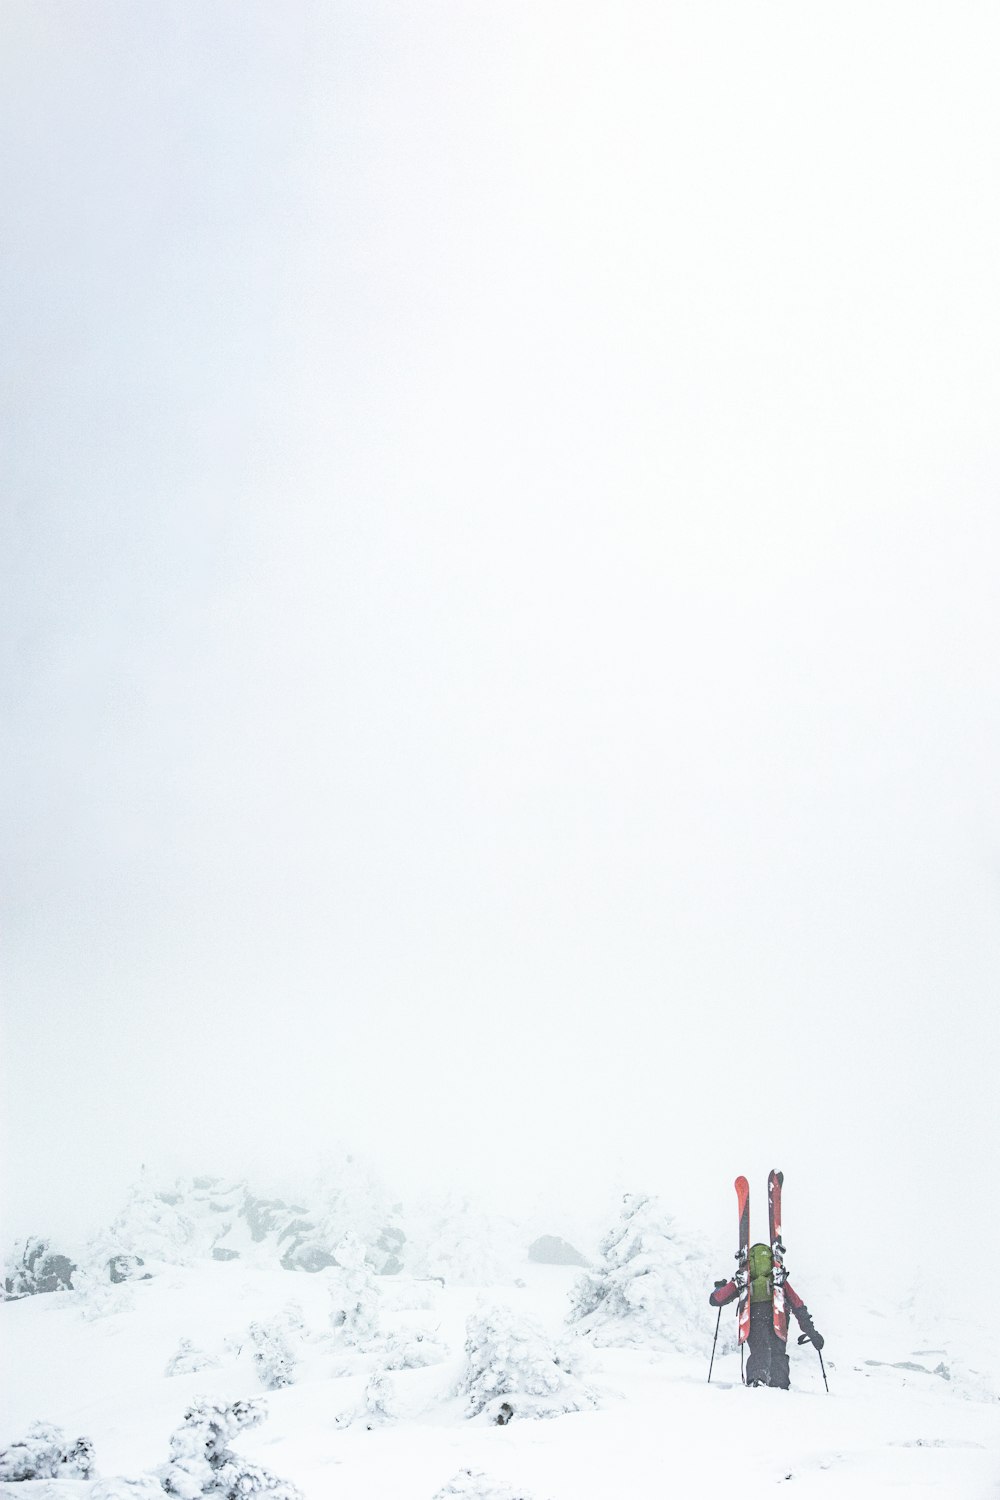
(473, 1484)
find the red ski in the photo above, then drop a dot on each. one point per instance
(780, 1311)
(742, 1277)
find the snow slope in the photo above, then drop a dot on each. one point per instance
(912, 1409)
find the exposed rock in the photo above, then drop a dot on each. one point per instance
(307, 1258)
(39, 1270)
(264, 1215)
(390, 1243)
(126, 1268)
(552, 1250)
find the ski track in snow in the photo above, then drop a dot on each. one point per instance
(660, 1429)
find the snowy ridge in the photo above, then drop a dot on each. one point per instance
(211, 1218)
(396, 1387)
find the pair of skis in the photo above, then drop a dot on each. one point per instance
(779, 1311)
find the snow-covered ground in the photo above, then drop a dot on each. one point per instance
(912, 1408)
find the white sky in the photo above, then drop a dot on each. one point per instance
(499, 600)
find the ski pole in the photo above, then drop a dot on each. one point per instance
(714, 1342)
(805, 1339)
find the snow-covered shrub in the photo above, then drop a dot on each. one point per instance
(355, 1312)
(377, 1404)
(44, 1453)
(473, 1484)
(187, 1360)
(154, 1225)
(411, 1350)
(456, 1242)
(96, 1296)
(37, 1268)
(202, 1463)
(379, 1398)
(273, 1353)
(651, 1284)
(513, 1370)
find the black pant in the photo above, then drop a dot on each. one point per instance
(768, 1362)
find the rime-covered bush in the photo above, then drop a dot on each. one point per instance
(379, 1398)
(35, 1267)
(273, 1353)
(649, 1286)
(187, 1360)
(454, 1241)
(354, 1313)
(202, 1462)
(95, 1296)
(155, 1225)
(512, 1370)
(377, 1404)
(473, 1484)
(411, 1350)
(44, 1453)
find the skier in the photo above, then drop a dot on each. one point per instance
(768, 1362)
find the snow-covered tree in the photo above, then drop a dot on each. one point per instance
(379, 1398)
(512, 1370)
(154, 1224)
(450, 1238)
(355, 1299)
(274, 1353)
(649, 1285)
(187, 1360)
(45, 1453)
(377, 1404)
(202, 1463)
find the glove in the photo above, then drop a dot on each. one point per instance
(808, 1334)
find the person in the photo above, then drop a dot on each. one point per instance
(768, 1362)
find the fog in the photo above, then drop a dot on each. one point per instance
(499, 551)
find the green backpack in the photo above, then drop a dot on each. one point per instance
(760, 1266)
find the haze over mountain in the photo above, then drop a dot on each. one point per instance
(498, 609)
